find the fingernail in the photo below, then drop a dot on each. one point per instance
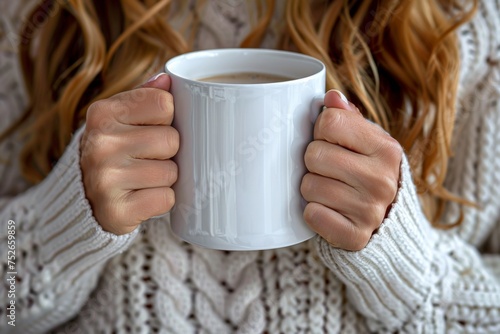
(155, 77)
(342, 96)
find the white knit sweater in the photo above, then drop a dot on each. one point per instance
(73, 277)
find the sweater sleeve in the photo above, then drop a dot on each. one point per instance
(52, 249)
(414, 278)
(417, 279)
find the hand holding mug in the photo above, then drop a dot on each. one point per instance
(125, 156)
(353, 175)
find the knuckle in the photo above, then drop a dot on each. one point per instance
(313, 153)
(165, 101)
(106, 125)
(373, 210)
(94, 113)
(378, 215)
(169, 199)
(310, 212)
(105, 181)
(382, 182)
(172, 138)
(172, 172)
(135, 96)
(99, 116)
(100, 148)
(88, 140)
(121, 109)
(393, 150)
(331, 120)
(90, 157)
(384, 187)
(390, 186)
(365, 205)
(306, 186)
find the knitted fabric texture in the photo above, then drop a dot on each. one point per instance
(73, 277)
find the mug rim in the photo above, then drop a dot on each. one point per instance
(171, 63)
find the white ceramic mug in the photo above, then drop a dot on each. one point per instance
(241, 156)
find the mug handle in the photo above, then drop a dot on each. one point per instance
(317, 106)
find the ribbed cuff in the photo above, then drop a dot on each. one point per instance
(392, 275)
(72, 241)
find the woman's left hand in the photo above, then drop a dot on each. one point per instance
(353, 175)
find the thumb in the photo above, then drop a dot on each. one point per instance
(161, 81)
(335, 99)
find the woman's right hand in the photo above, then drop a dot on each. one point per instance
(125, 156)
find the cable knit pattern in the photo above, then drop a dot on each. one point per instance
(73, 277)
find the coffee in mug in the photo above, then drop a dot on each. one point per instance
(246, 78)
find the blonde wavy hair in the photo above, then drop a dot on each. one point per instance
(396, 60)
